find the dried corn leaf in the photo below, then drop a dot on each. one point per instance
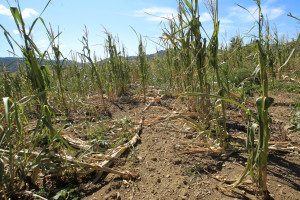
(76, 142)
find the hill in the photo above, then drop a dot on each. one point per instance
(11, 63)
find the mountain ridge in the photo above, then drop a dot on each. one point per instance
(11, 63)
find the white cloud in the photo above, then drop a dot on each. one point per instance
(17, 32)
(226, 21)
(43, 43)
(204, 17)
(274, 13)
(242, 15)
(27, 12)
(156, 13)
(164, 13)
(4, 10)
(62, 46)
(158, 10)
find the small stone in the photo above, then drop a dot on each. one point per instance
(125, 182)
(184, 193)
(154, 159)
(177, 162)
(189, 136)
(108, 190)
(116, 185)
(113, 196)
(158, 180)
(139, 158)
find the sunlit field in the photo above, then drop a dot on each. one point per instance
(201, 119)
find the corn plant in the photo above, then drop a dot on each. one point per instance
(263, 103)
(78, 73)
(33, 68)
(87, 55)
(190, 46)
(258, 156)
(58, 66)
(143, 67)
(258, 153)
(292, 52)
(23, 153)
(236, 44)
(35, 72)
(118, 67)
(170, 72)
(213, 60)
(269, 51)
(7, 83)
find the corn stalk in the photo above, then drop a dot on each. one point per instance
(190, 46)
(35, 72)
(87, 54)
(58, 66)
(143, 67)
(213, 60)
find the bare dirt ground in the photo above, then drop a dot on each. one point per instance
(171, 164)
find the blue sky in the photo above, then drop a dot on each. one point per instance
(117, 16)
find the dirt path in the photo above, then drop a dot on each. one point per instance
(167, 172)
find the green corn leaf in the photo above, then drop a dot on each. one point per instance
(189, 5)
(8, 40)
(260, 106)
(56, 134)
(17, 16)
(250, 136)
(33, 97)
(263, 104)
(269, 102)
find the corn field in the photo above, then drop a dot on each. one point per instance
(56, 118)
